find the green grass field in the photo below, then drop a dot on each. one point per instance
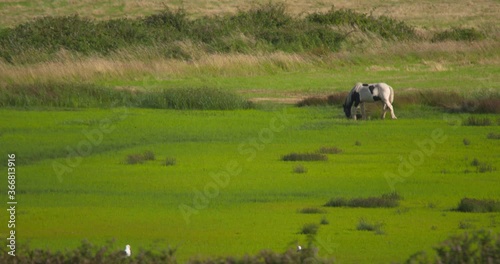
(229, 193)
(218, 185)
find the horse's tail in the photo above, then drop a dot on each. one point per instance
(392, 94)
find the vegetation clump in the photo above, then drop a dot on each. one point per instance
(304, 157)
(475, 247)
(472, 205)
(385, 200)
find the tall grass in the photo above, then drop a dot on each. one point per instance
(90, 95)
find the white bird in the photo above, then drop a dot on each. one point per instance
(128, 252)
(299, 248)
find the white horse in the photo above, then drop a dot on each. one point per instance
(368, 93)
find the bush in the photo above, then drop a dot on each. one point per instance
(386, 200)
(475, 247)
(149, 155)
(305, 157)
(471, 205)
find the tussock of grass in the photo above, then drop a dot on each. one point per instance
(472, 205)
(384, 201)
(477, 121)
(492, 135)
(329, 150)
(364, 225)
(310, 229)
(312, 210)
(300, 169)
(304, 157)
(169, 161)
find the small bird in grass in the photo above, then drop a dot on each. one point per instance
(299, 248)
(128, 252)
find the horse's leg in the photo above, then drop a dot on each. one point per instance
(353, 112)
(393, 116)
(384, 111)
(363, 111)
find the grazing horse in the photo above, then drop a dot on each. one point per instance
(363, 93)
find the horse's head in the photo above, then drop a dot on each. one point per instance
(347, 110)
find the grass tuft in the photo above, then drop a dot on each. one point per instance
(304, 157)
(329, 150)
(364, 225)
(300, 169)
(310, 229)
(477, 121)
(472, 205)
(312, 210)
(384, 201)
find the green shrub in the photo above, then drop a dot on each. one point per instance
(305, 157)
(134, 159)
(475, 247)
(471, 205)
(459, 34)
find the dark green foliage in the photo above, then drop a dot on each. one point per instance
(305, 157)
(475, 247)
(149, 155)
(471, 205)
(265, 27)
(133, 159)
(384, 26)
(459, 34)
(386, 200)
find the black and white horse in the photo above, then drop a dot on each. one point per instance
(363, 93)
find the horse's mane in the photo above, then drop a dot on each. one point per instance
(348, 100)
